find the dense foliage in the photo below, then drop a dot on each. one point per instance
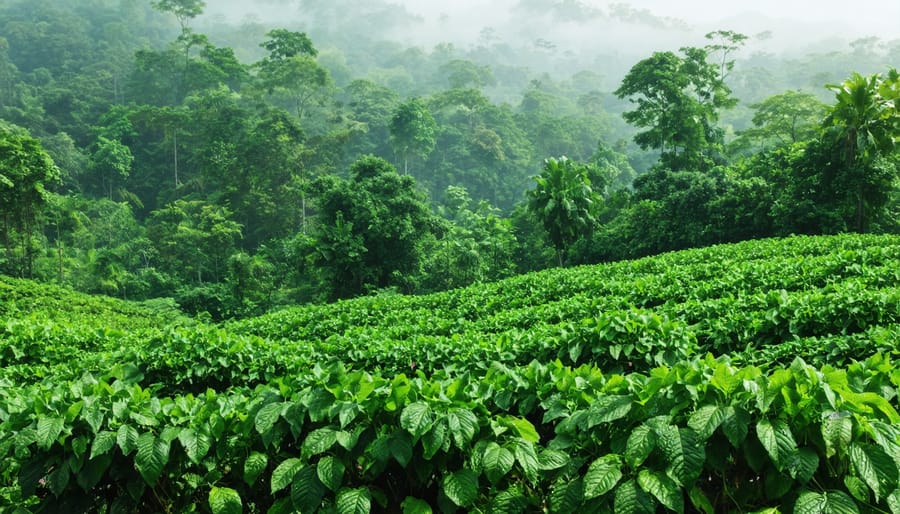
(750, 377)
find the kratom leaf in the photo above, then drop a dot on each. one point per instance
(461, 487)
(223, 500)
(354, 501)
(602, 475)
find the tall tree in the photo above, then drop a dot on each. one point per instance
(562, 200)
(26, 171)
(412, 131)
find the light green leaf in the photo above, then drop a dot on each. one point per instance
(254, 466)
(837, 431)
(330, 472)
(497, 462)
(196, 444)
(416, 419)
(152, 456)
(602, 475)
(463, 426)
(893, 501)
(267, 416)
(606, 409)
(831, 502)
(48, 430)
(284, 474)
(412, 505)
(662, 488)
(461, 487)
(631, 499)
(127, 439)
(103, 443)
(706, 420)
(354, 501)
(223, 500)
(522, 427)
(526, 457)
(319, 441)
(549, 460)
(641, 442)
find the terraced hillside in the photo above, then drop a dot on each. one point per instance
(741, 378)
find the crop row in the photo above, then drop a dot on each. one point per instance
(705, 437)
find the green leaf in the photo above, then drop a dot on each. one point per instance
(893, 501)
(857, 488)
(662, 488)
(267, 416)
(412, 505)
(354, 501)
(196, 444)
(684, 453)
(777, 439)
(497, 462)
(837, 431)
(330, 472)
(58, 480)
(874, 466)
(127, 438)
(103, 443)
(152, 456)
(319, 441)
(606, 409)
(463, 425)
(526, 457)
(48, 430)
(641, 442)
(802, 465)
(549, 460)
(433, 440)
(706, 420)
(511, 501)
(284, 474)
(416, 419)
(602, 475)
(522, 427)
(254, 466)
(735, 425)
(631, 499)
(461, 487)
(306, 490)
(567, 496)
(223, 500)
(830, 502)
(700, 501)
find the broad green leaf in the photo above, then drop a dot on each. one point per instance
(837, 431)
(700, 501)
(267, 416)
(641, 442)
(461, 487)
(857, 488)
(511, 501)
(802, 465)
(662, 488)
(416, 419)
(631, 499)
(830, 502)
(606, 409)
(549, 460)
(330, 472)
(58, 480)
(307, 490)
(735, 425)
(319, 441)
(463, 425)
(497, 462)
(602, 475)
(196, 444)
(254, 466)
(223, 500)
(433, 440)
(706, 420)
(412, 505)
(400, 446)
(777, 439)
(526, 457)
(103, 443)
(873, 466)
(284, 474)
(152, 456)
(48, 430)
(354, 501)
(522, 427)
(684, 453)
(566, 496)
(127, 439)
(893, 501)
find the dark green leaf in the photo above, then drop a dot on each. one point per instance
(354, 501)
(284, 474)
(223, 500)
(255, 464)
(152, 456)
(461, 487)
(602, 475)
(330, 472)
(497, 462)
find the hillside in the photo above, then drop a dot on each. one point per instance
(740, 377)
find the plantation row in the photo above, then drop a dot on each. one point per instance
(703, 436)
(731, 379)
